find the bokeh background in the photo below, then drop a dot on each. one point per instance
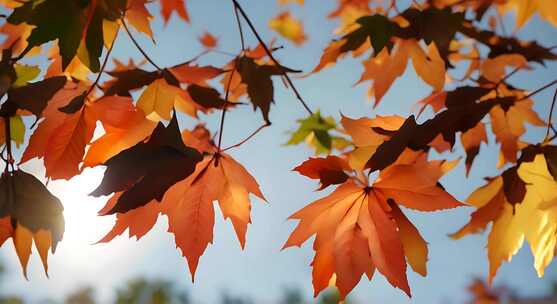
(262, 272)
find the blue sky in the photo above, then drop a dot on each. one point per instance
(262, 271)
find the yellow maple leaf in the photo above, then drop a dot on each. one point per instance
(534, 219)
(157, 101)
(289, 27)
(525, 9)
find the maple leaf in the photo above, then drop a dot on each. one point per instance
(359, 228)
(471, 141)
(493, 69)
(60, 138)
(525, 9)
(139, 17)
(208, 40)
(163, 87)
(17, 130)
(75, 69)
(193, 74)
(128, 80)
(259, 84)
(158, 99)
(508, 125)
(16, 36)
(498, 45)
(329, 170)
(317, 131)
(29, 212)
(34, 97)
(288, 27)
(146, 170)
(129, 128)
(206, 97)
(25, 74)
(425, 25)
(377, 28)
(168, 7)
(77, 26)
(138, 221)
(459, 117)
(532, 219)
(385, 68)
(366, 138)
(189, 204)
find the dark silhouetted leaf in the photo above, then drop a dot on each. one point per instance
(513, 186)
(206, 97)
(34, 96)
(25, 199)
(260, 86)
(75, 104)
(145, 171)
(378, 28)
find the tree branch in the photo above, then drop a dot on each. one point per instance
(103, 66)
(138, 46)
(225, 106)
(265, 125)
(270, 54)
(539, 90)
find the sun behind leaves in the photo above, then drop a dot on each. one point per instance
(376, 165)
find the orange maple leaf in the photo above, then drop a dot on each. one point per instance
(189, 203)
(208, 40)
(359, 227)
(168, 7)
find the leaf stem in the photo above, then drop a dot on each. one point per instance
(138, 46)
(243, 141)
(270, 54)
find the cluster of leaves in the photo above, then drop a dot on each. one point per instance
(359, 227)
(152, 167)
(376, 165)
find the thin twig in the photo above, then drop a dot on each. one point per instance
(238, 21)
(507, 76)
(265, 125)
(27, 49)
(103, 66)
(551, 138)
(270, 54)
(549, 124)
(138, 46)
(539, 90)
(225, 106)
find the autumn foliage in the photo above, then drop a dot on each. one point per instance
(375, 167)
